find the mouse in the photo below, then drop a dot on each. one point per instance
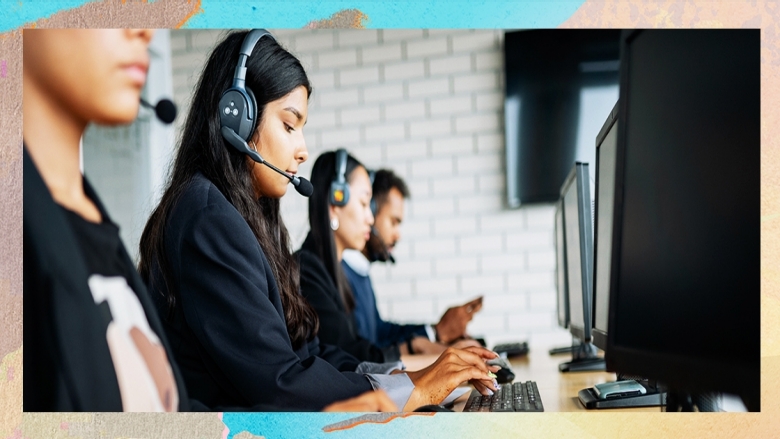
(432, 408)
(504, 376)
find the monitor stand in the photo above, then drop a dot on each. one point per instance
(655, 396)
(561, 350)
(584, 359)
(575, 343)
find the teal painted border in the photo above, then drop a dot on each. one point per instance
(437, 425)
(388, 14)
(16, 13)
(298, 13)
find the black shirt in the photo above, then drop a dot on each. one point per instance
(68, 364)
(337, 326)
(131, 341)
(227, 325)
(99, 244)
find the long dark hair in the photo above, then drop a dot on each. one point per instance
(322, 174)
(272, 73)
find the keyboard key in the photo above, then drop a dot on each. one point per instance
(517, 397)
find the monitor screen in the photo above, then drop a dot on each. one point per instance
(559, 85)
(686, 248)
(560, 268)
(606, 145)
(579, 249)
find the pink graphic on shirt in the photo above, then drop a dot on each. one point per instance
(143, 372)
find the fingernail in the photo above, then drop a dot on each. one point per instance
(495, 384)
(490, 392)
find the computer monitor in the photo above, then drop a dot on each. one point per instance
(578, 232)
(561, 286)
(606, 146)
(685, 279)
(575, 194)
(561, 278)
(638, 392)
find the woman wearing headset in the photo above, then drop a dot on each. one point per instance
(340, 219)
(216, 256)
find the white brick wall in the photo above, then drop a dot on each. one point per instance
(383, 92)
(387, 52)
(429, 87)
(338, 58)
(359, 38)
(404, 70)
(429, 105)
(403, 110)
(450, 64)
(451, 105)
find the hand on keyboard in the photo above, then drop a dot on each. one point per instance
(517, 397)
(505, 374)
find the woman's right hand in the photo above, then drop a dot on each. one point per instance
(453, 367)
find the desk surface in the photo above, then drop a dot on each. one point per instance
(558, 390)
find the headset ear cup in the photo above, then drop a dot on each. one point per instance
(234, 109)
(255, 116)
(339, 194)
(339, 188)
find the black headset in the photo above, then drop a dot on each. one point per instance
(371, 177)
(237, 106)
(238, 113)
(339, 189)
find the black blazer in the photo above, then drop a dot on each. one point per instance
(228, 327)
(337, 326)
(67, 363)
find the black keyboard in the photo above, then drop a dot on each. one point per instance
(512, 349)
(516, 397)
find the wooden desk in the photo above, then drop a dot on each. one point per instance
(558, 390)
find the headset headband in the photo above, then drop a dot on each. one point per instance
(339, 189)
(237, 106)
(251, 39)
(341, 165)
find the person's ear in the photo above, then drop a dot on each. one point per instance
(333, 217)
(334, 212)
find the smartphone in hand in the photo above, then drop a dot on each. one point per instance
(474, 306)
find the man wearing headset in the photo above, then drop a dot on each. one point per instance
(389, 192)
